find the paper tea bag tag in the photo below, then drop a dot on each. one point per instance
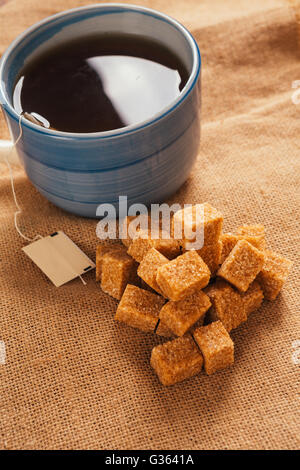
(59, 258)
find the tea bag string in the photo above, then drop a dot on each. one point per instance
(12, 183)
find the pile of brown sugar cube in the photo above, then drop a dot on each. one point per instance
(194, 297)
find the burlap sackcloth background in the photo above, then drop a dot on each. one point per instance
(75, 379)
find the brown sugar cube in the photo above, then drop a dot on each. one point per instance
(163, 330)
(139, 308)
(148, 268)
(118, 269)
(179, 316)
(216, 346)
(252, 298)
(183, 276)
(242, 265)
(228, 240)
(143, 242)
(100, 252)
(227, 305)
(199, 217)
(211, 256)
(254, 234)
(176, 360)
(142, 224)
(230, 306)
(274, 273)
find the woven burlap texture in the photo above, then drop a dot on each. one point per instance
(74, 378)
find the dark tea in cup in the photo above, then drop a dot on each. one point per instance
(99, 83)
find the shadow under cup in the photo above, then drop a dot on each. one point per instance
(146, 162)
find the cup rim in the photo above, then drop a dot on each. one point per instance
(127, 129)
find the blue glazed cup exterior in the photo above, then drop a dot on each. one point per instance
(147, 162)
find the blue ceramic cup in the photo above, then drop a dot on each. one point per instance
(146, 162)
